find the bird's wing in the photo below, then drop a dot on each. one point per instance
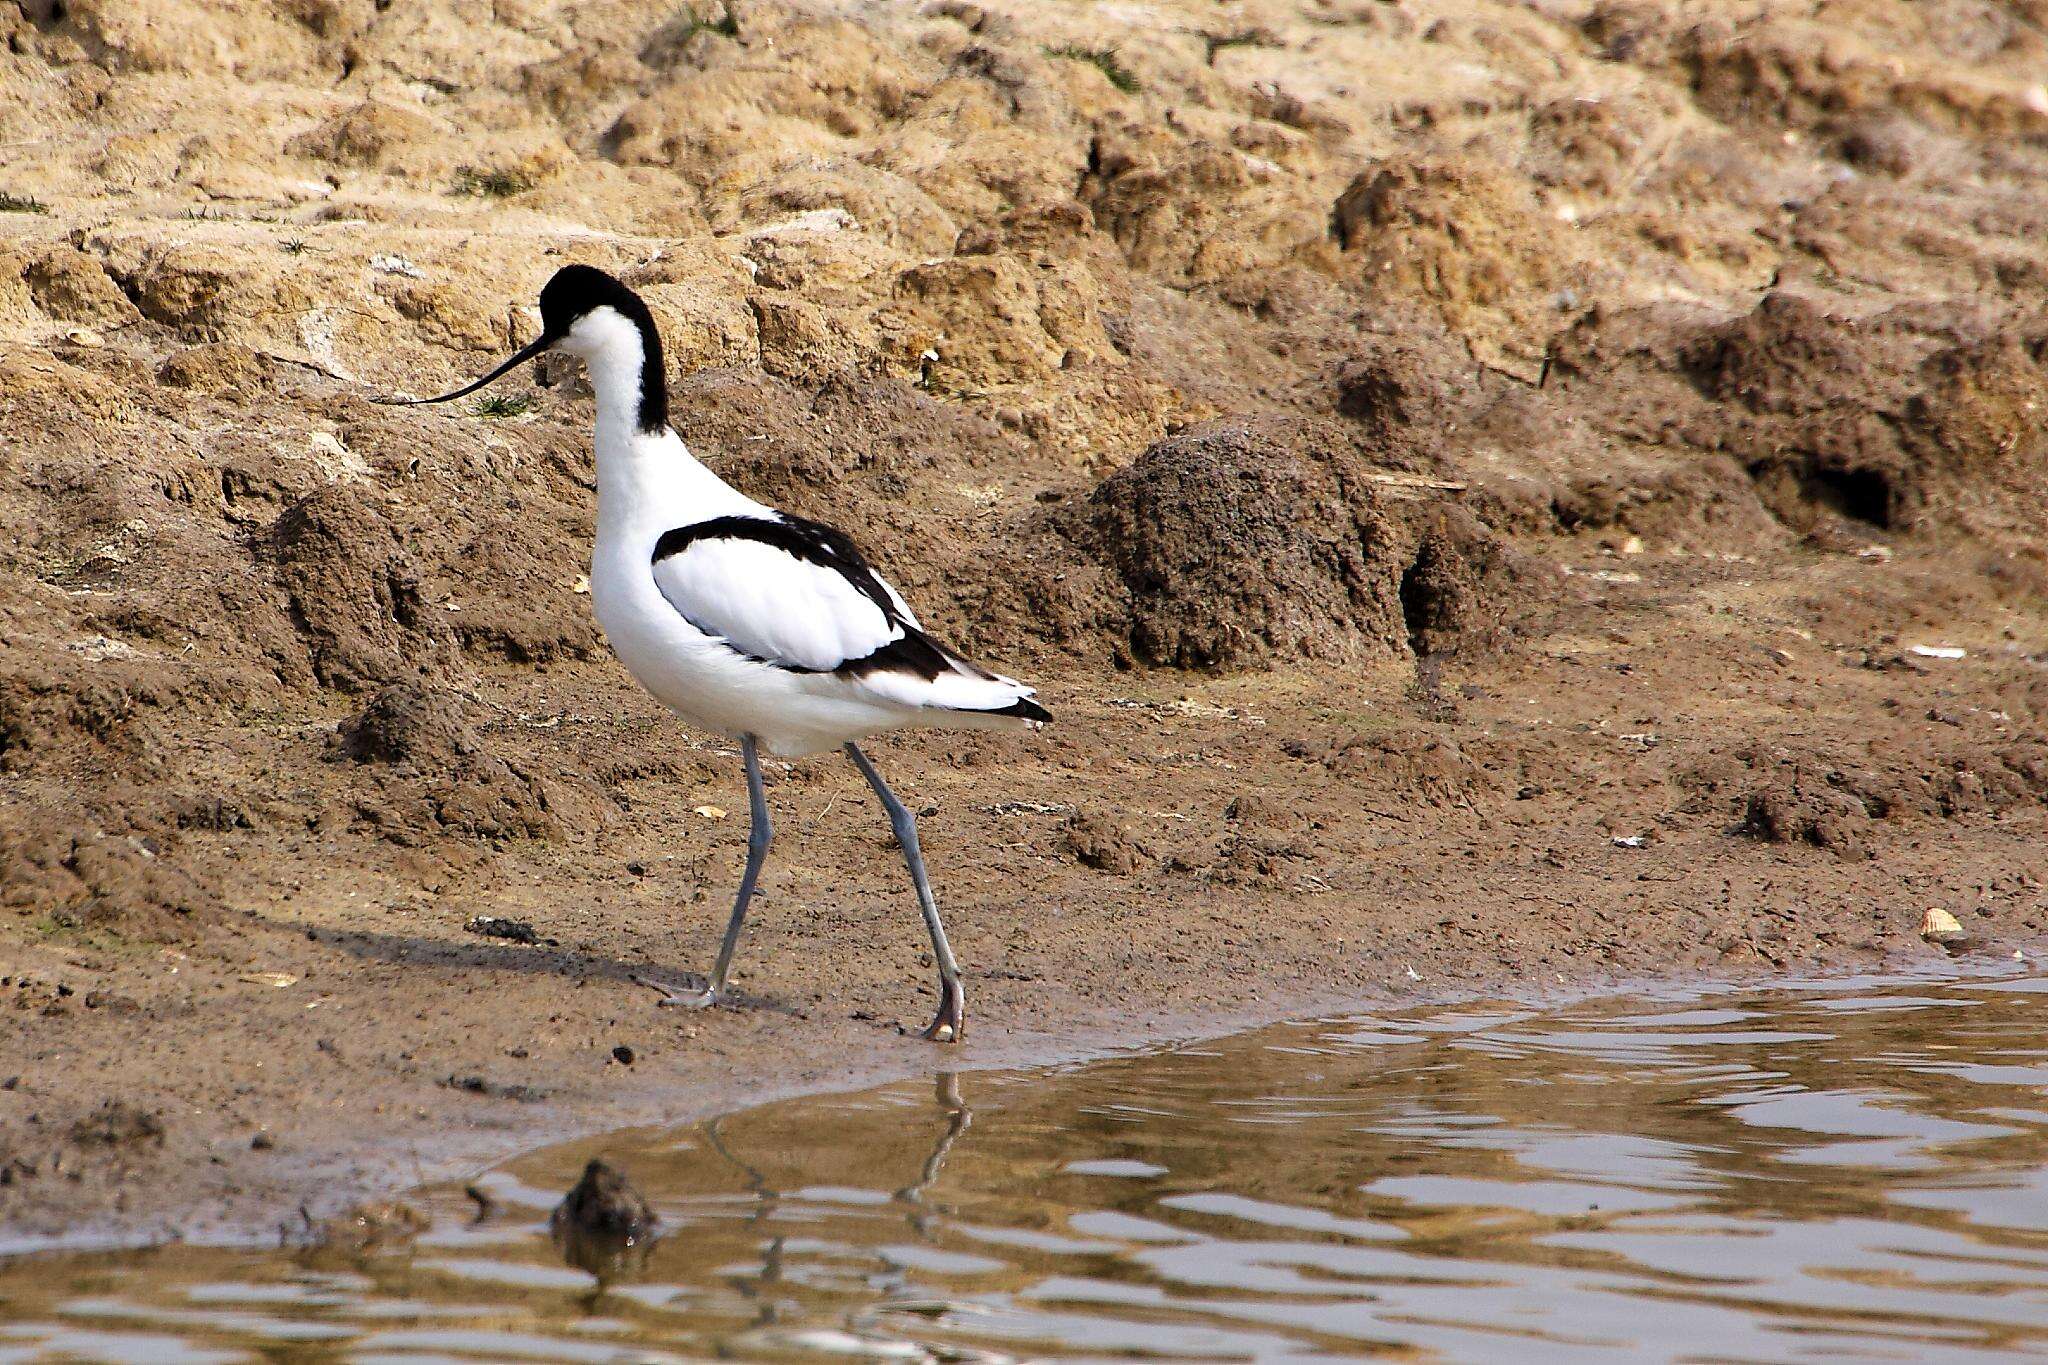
(785, 591)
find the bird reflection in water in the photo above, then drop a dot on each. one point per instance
(765, 1284)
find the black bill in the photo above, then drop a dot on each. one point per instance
(538, 345)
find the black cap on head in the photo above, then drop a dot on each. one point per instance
(572, 294)
(577, 290)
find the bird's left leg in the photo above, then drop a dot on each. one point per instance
(760, 833)
(950, 1023)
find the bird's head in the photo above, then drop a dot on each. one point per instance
(588, 314)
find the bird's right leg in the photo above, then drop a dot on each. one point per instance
(950, 1024)
(760, 833)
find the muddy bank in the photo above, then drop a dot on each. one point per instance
(1494, 495)
(1162, 865)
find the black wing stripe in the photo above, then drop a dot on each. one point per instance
(916, 654)
(810, 541)
(813, 542)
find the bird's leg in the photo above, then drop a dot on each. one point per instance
(760, 832)
(950, 1023)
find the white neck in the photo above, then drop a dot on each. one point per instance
(609, 346)
(645, 479)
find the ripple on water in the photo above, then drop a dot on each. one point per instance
(1835, 1169)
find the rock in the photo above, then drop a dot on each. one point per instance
(603, 1225)
(496, 926)
(603, 1203)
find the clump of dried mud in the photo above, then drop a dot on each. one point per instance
(1236, 544)
(1555, 417)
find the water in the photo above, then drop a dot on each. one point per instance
(1845, 1170)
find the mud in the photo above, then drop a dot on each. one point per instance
(1479, 486)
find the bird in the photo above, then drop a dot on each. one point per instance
(743, 620)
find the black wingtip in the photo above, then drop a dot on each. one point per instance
(1026, 709)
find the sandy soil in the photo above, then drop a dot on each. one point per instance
(1492, 493)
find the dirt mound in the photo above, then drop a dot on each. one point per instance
(63, 878)
(1978, 419)
(432, 773)
(1105, 844)
(1415, 765)
(1816, 401)
(353, 590)
(1894, 419)
(117, 1123)
(221, 368)
(1265, 844)
(1240, 544)
(1785, 795)
(73, 286)
(1403, 385)
(1474, 244)
(1465, 589)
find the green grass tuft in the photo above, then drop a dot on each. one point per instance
(490, 184)
(502, 405)
(21, 203)
(65, 928)
(1103, 59)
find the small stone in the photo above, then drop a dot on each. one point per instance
(623, 1055)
